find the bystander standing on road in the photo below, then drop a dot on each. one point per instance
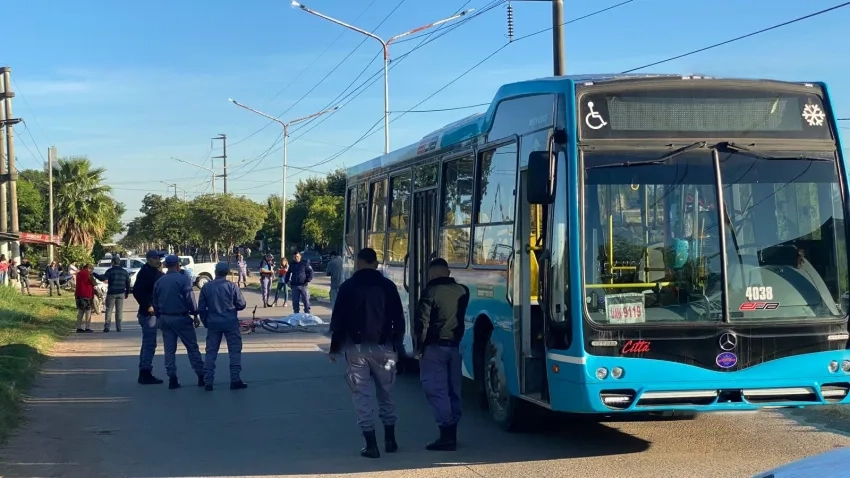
(299, 275)
(146, 278)
(174, 306)
(84, 297)
(266, 275)
(219, 303)
(73, 270)
(242, 271)
(118, 288)
(4, 269)
(281, 282)
(437, 330)
(24, 273)
(52, 275)
(367, 320)
(335, 272)
(13, 274)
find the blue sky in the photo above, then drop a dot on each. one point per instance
(132, 84)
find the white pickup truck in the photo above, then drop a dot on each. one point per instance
(199, 272)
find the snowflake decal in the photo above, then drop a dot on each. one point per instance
(813, 115)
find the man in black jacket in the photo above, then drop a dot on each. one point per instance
(298, 276)
(367, 320)
(143, 293)
(438, 328)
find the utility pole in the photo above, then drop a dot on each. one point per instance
(558, 62)
(51, 157)
(223, 157)
(558, 37)
(4, 205)
(13, 172)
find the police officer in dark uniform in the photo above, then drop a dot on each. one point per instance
(438, 328)
(367, 320)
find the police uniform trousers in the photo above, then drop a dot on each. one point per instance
(440, 373)
(369, 374)
(148, 342)
(265, 288)
(231, 334)
(174, 327)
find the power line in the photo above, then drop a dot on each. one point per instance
(700, 50)
(763, 30)
(350, 54)
(444, 109)
(491, 55)
(375, 77)
(359, 90)
(32, 113)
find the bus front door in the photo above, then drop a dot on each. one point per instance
(529, 234)
(424, 243)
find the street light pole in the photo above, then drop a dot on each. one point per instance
(212, 171)
(386, 49)
(285, 144)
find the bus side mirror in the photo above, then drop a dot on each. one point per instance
(540, 187)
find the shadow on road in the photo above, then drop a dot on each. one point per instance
(88, 417)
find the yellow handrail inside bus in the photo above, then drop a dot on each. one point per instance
(626, 286)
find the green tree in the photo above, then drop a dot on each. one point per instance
(166, 221)
(114, 226)
(75, 253)
(324, 222)
(82, 205)
(226, 219)
(335, 183)
(31, 207)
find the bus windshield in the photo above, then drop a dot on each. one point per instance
(652, 246)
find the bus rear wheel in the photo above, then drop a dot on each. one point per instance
(504, 408)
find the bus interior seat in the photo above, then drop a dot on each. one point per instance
(657, 265)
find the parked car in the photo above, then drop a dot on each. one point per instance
(130, 264)
(314, 259)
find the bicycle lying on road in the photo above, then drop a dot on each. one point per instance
(282, 324)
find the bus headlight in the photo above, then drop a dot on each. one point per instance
(845, 365)
(601, 373)
(617, 372)
(833, 366)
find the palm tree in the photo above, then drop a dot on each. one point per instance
(82, 201)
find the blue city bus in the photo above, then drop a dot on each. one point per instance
(641, 243)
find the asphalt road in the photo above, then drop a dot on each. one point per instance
(87, 417)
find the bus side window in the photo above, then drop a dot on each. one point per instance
(456, 199)
(377, 218)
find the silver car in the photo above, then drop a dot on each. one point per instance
(130, 264)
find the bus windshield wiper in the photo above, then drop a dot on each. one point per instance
(737, 148)
(647, 162)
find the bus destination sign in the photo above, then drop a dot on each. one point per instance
(703, 112)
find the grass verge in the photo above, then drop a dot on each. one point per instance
(29, 326)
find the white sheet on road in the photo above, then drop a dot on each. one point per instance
(831, 464)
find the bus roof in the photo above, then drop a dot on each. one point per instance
(477, 124)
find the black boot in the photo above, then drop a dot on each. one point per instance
(173, 383)
(147, 378)
(371, 448)
(201, 382)
(390, 444)
(447, 440)
(239, 385)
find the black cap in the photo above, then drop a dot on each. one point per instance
(368, 255)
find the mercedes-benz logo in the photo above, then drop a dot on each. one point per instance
(728, 341)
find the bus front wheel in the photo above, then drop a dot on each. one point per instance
(504, 408)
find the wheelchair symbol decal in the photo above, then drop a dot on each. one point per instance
(594, 120)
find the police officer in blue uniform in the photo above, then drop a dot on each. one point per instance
(218, 305)
(367, 320)
(174, 304)
(146, 278)
(438, 328)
